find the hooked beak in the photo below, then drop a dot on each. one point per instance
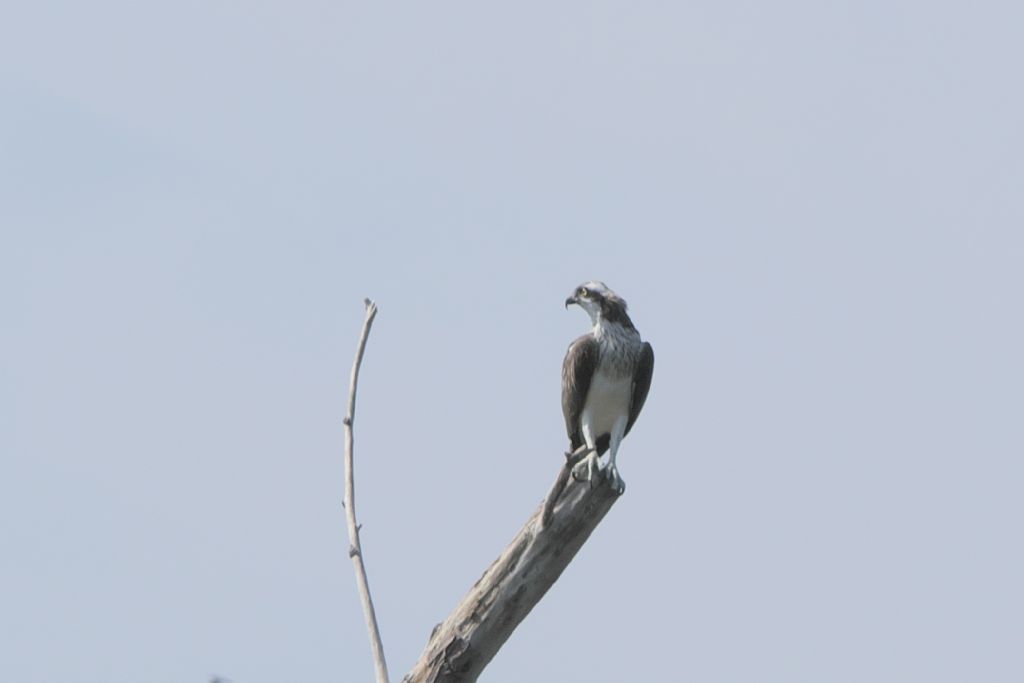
(570, 300)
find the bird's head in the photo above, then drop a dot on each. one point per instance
(600, 303)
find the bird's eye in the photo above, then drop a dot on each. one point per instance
(582, 291)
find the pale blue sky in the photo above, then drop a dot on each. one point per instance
(814, 209)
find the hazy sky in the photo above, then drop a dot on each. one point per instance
(815, 210)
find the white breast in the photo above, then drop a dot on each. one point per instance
(607, 401)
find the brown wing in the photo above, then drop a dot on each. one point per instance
(577, 369)
(641, 384)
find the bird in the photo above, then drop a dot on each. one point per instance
(606, 376)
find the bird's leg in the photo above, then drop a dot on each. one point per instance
(585, 469)
(591, 463)
(611, 475)
(574, 460)
(611, 472)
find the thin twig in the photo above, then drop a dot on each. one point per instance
(355, 550)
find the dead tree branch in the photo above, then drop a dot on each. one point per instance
(355, 549)
(461, 646)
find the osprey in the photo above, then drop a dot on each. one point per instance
(605, 379)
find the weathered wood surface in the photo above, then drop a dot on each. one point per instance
(464, 643)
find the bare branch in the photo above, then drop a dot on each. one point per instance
(461, 646)
(355, 550)
(563, 478)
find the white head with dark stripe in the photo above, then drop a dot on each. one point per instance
(601, 304)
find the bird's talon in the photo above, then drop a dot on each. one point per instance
(589, 466)
(611, 475)
(579, 472)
